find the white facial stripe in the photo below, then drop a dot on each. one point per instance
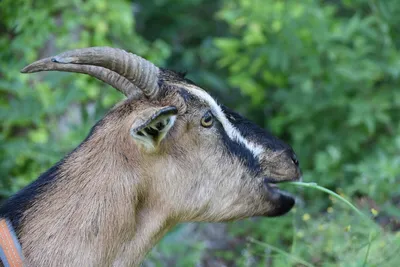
(230, 130)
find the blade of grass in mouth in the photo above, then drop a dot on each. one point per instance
(330, 192)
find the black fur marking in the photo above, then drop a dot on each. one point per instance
(182, 74)
(173, 76)
(186, 95)
(14, 207)
(239, 151)
(254, 132)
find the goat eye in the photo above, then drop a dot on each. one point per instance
(207, 120)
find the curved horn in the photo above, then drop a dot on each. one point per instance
(142, 73)
(137, 70)
(110, 77)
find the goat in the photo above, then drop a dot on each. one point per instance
(167, 154)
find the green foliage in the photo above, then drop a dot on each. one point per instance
(323, 75)
(329, 74)
(31, 107)
(330, 81)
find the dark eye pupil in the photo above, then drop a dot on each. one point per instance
(207, 119)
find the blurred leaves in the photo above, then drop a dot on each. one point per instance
(322, 75)
(39, 111)
(327, 70)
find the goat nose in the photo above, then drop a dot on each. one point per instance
(294, 159)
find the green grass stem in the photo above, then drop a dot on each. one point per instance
(316, 186)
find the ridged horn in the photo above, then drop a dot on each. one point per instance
(113, 66)
(112, 78)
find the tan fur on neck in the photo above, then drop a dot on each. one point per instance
(98, 212)
(112, 200)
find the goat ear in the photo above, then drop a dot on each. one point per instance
(152, 125)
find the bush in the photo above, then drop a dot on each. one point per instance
(42, 124)
(323, 75)
(326, 77)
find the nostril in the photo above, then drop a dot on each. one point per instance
(295, 160)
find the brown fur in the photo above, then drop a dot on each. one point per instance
(113, 200)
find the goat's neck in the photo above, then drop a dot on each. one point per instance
(92, 215)
(150, 227)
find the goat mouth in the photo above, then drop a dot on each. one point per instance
(282, 202)
(275, 181)
(272, 188)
